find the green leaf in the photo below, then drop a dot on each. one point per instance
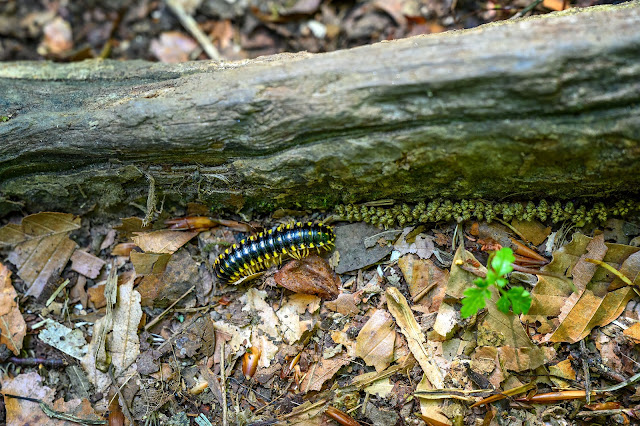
(520, 300)
(502, 260)
(501, 282)
(503, 304)
(474, 300)
(481, 283)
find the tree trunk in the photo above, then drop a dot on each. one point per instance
(541, 107)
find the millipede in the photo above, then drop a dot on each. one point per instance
(265, 249)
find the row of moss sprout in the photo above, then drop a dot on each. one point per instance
(463, 210)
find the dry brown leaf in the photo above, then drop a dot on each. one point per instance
(421, 274)
(38, 226)
(164, 241)
(401, 311)
(460, 278)
(582, 273)
(131, 225)
(532, 230)
(172, 47)
(345, 304)
(322, 371)
(633, 332)
(12, 325)
(86, 264)
(591, 311)
(58, 37)
(20, 412)
(562, 369)
(96, 296)
(630, 268)
(376, 339)
(310, 275)
(161, 290)
(149, 263)
(42, 247)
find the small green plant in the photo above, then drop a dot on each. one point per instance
(499, 266)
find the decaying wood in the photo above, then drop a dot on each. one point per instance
(547, 106)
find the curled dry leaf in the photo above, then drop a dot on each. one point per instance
(12, 325)
(163, 241)
(376, 339)
(310, 275)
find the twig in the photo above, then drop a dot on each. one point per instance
(223, 385)
(585, 369)
(125, 407)
(527, 9)
(191, 25)
(159, 317)
(601, 413)
(50, 412)
(47, 362)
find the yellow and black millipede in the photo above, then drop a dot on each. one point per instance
(259, 252)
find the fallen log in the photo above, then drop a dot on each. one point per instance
(547, 106)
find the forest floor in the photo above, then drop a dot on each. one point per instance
(127, 322)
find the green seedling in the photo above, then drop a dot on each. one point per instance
(516, 298)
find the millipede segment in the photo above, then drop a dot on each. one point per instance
(265, 249)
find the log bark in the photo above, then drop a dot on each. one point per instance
(540, 107)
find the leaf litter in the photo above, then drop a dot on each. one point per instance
(388, 328)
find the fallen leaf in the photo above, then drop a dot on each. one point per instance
(289, 315)
(12, 325)
(423, 245)
(163, 241)
(172, 47)
(149, 263)
(310, 275)
(42, 247)
(58, 37)
(21, 412)
(63, 338)
(351, 247)
(345, 304)
(162, 289)
(400, 310)
(376, 339)
(322, 371)
(96, 296)
(131, 225)
(86, 264)
(532, 230)
(633, 333)
(381, 388)
(460, 277)
(423, 277)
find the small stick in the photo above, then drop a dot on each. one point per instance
(159, 317)
(191, 25)
(527, 9)
(28, 362)
(125, 407)
(50, 412)
(223, 385)
(585, 370)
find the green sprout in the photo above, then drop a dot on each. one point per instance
(517, 298)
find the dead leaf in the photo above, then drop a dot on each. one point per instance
(12, 325)
(351, 247)
(58, 37)
(310, 275)
(633, 333)
(460, 277)
(163, 241)
(400, 310)
(322, 371)
(376, 339)
(423, 277)
(345, 304)
(532, 230)
(162, 289)
(42, 247)
(172, 47)
(86, 264)
(149, 263)
(96, 296)
(69, 341)
(131, 225)
(21, 412)
(423, 245)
